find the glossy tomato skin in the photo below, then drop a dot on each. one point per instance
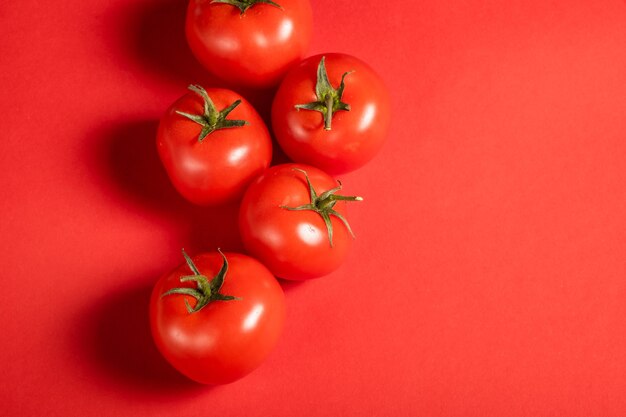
(294, 245)
(225, 340)
(356, 136)
(252, 49)
(218, 169)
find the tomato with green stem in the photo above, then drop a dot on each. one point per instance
(212, 144)
(333, 112)
(217, 330)
(249, 42)
(294, 221)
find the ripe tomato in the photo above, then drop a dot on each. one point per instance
(209, 157)
(249, 42)
(340, 140)
(217, 330)
(292, 221)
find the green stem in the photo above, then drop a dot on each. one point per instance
(329, 202)
(328, 118)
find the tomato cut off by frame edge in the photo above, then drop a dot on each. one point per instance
(249, 43)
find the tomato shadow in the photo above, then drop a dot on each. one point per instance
(129, 158)
(293, 286)
(278, 156)
(117, 340)
(152, 34)
(125, 163)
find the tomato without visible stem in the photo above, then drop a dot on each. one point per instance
(216, 168)
(296, 236)
(234, 328)
(357, 126)
(254, 47)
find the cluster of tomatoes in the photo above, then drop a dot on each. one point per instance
(217, 316)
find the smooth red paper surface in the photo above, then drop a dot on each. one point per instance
(488, 277)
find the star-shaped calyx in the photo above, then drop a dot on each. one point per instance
(212, 119)
(323, 204)
(328, 98)
(206, 290)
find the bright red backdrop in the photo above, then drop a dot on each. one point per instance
(488, 277)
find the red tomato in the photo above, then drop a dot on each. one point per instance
(345, 138)
(213, 167)
(254, 47)
(216, 318)
(295, 227)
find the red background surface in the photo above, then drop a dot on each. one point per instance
(488, 274)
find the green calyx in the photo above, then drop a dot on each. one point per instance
(206, 290)
(244, 5)
(328, 98)
(212, 119)
(324, 204)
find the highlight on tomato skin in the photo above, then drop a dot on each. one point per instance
(249, 43)
(212, 143)
(217, 316)
(332, 111)
(293, 219)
